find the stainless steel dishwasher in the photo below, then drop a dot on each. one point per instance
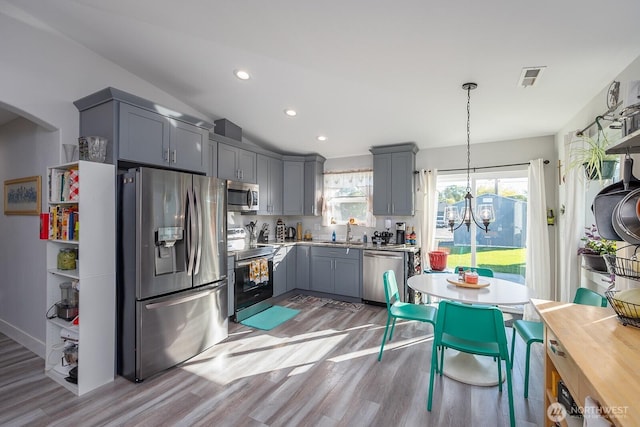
(374, 264)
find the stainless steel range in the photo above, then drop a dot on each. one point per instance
(253, 268)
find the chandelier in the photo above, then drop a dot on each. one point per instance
(485, 210)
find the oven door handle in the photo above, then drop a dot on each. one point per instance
(240, 264)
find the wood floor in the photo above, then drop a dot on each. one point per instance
(318, 369)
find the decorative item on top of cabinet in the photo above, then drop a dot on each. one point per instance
(94, 335)
(393, 179)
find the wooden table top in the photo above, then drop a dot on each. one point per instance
(607, 353)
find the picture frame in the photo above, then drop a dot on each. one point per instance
(22, 196)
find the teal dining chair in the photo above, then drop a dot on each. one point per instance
(474, 329)
(532, 331)
(397, 309)
(482, 271)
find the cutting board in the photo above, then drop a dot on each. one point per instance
(482, 283)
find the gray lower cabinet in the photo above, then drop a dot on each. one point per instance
(303, 260)
(393, 179)
(236, 164)
(293, 187)
(284, 270)
(151, 138)
(280, 271)
(336, 271)
(269, 173)
(231, 282)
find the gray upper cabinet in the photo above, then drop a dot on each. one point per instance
(213, 158)
(138, 134)
(152, 138)
(293, 186)
(313, 185)
(143, 135)
(269, 172)
(393, 179)
(187, 147)
(236, 164)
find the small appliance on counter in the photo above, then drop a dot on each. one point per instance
(401, 229)
(263, 237)
(280, 231)
(290, 234)
(381, 237)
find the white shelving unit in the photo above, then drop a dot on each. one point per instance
(95, 271)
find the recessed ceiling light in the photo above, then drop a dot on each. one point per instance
(290, 112)
(322, 138)
(241, 74)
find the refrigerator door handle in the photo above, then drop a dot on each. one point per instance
(169, 303)
(198, 242)
(190, 232)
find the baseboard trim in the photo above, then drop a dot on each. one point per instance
(22, 338)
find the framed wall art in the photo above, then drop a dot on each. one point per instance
(22, 196)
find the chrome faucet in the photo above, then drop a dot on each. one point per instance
(349, 236)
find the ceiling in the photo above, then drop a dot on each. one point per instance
(363, 72)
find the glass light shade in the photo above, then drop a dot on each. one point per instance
(451, 213)
(486, 212)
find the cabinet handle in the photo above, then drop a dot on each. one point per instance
(393, 207)
(388, 208)
(241, 174)
(554, 342)
(175, 156)
(165, 156)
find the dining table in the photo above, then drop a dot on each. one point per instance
(491, 291)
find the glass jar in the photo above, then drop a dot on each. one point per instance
(66, 259)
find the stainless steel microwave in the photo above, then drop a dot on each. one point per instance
(242, 197)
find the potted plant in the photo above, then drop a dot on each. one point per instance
(593, 249)
(591, 154)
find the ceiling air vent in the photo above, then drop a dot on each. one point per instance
(530, 76)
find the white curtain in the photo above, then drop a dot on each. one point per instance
(538, 277)
(351, 188)
(570, 230)
(427, 212)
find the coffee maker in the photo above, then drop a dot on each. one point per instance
(401, 229)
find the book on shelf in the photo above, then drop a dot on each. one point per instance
(64, 185)
(63, 223)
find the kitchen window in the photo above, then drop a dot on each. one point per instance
(503, 248)
(348, 195)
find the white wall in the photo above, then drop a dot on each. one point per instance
(26, 149)
(582, 215)
(42, 73)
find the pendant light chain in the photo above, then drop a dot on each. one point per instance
(468, 138)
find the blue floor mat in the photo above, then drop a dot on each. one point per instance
(270, 318)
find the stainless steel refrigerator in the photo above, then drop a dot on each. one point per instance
(172, 269)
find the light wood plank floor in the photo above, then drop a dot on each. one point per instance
(318, 369)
